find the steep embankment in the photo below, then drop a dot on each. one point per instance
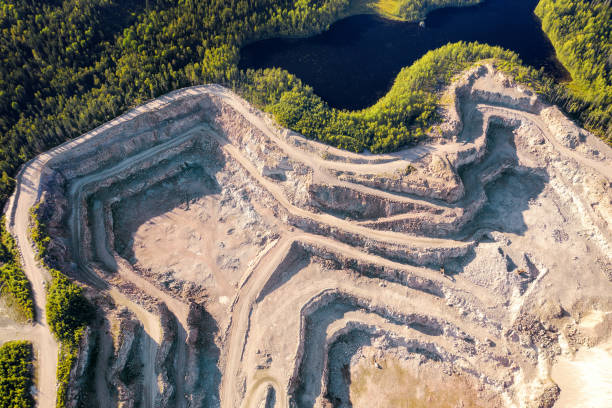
(289, 269)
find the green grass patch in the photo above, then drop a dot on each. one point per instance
(405, 10)
(16, 374)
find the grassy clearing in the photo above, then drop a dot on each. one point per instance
(385, 8)
(403, 10)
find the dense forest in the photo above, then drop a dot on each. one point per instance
(69, 65)
(16, 373)
(581, 32)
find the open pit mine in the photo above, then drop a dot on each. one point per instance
(234, 263)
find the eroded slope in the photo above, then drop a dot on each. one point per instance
(239, 264)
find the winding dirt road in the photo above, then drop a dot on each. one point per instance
(27, 193)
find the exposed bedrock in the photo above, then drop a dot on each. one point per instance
(124, 371)
(138, 132)
(80, 374)
(358, 205)
(327, 301)
(237, 264)
(464, 298)
(165, 363)
(476, 170)
(416, 373)
(202, 365)
(421, 322)
(432, 177)
(417, 337)
(401, 252)
(337, 260)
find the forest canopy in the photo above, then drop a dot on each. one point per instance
(399, 118)
(16, 374)
(581, 32)
(69, 65)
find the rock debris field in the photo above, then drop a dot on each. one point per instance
(237, 264)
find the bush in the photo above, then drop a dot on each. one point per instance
(14, 285)
(66, 358)
(68, 314)
(68, 310)
(16, 374)
(38, 233)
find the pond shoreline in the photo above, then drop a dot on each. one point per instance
(355, 62)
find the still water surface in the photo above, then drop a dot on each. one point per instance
(354, 63)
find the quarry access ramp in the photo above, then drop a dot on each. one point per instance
(255, 265)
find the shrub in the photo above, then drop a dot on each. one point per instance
(16, 375)
(14, 285)
(68, 310)
(38, 233)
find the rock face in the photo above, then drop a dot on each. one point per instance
(78, 374)
(126, 343)
(165, 359)
(247, 266)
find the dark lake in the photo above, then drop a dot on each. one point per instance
(354, 63)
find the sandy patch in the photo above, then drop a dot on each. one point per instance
(391, 382)
(586, 379)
